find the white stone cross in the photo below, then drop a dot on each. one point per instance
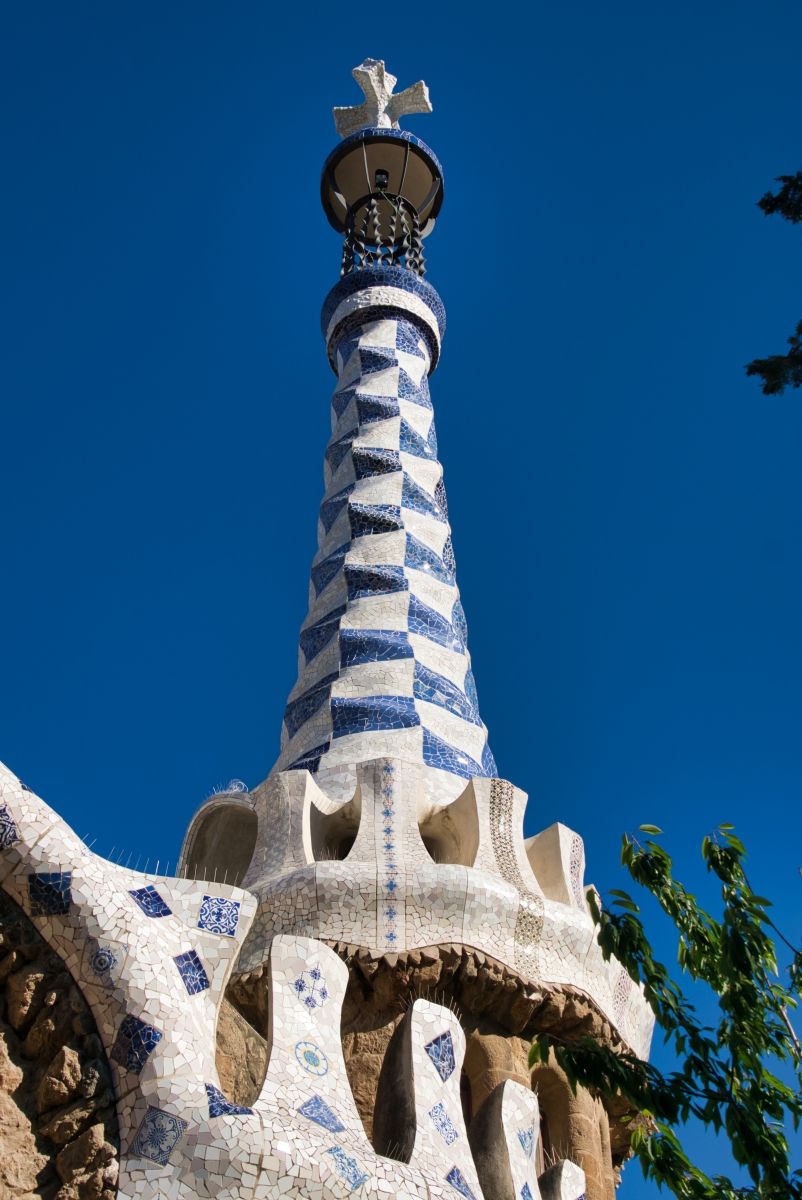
(381, 108)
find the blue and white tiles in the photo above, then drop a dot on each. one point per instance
(219, 915)
(383, 666)
(192, 972)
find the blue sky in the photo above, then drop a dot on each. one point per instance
(627, 507)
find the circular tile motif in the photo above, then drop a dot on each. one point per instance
(103, 960)
(311, 1058)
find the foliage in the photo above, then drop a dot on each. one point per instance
(722, 1074)
(780, 371)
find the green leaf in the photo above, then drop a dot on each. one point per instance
(649, 829)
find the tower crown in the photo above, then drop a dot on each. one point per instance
(382, 186)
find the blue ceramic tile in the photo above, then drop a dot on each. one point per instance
(371, 460)
(298, 712)
(411, 442)
(430, 624)
(376, 358)
(315, 637)
(436, 689)
(469, 687)
(338, 450)
(150, 901)
(9, 834)
(373, 645)
(325, 571)
(330, 509)
(415, 393)
(135, 1042)
(310, 759)
(418, 500)
(316, 1109)
(310, 988)
(366, 713)
(218, 915)
(437, 753)
(489, 768)
(363, 581)
(408, 339)
(220, 1107)
(50, 893)
(192, 972)
(102, 961)
(459, 1183)
(448, 556)
(423, 559)
(458, 620)
(431, 440)
(397, 277)
(441, 498)
(376, 408)
(527, 1139)
(157, 1136)
(441, 1052)
(443, 1124)
(341, 400)
(311, 1058)
(347, 1168)
(374, 518)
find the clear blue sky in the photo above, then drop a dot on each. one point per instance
(627, 507)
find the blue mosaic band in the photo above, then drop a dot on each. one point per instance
(377, 293)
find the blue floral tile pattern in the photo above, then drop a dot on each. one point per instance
(150, 902)
(347, 1168)
(220, 1107)
(311, 1058)
(9, 834)
(50, 893)
(192, 971)
(102, 961)
(310, 988)
(391, 910)
(441, 1052)
(443, 1124)
(134, 1044)
(218, 915)
(527, 1139)
(316, 1109)
(158, 1135)
(459, 1183)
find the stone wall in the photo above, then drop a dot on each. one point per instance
(58, 1127)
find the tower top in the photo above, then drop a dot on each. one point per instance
(381, 109)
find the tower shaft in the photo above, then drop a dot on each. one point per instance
(384, 668)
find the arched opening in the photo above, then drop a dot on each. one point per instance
(554, 1098)
(451, 834)
(333, 834)
(221, 843)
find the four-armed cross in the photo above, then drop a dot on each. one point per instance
(381, 108)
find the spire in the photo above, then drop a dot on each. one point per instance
(384, 668)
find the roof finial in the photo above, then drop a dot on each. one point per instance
(381, 108)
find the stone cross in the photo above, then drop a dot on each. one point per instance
(381, 108)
